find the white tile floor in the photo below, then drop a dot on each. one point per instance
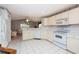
(36, 47)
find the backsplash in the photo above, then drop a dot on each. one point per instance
(74, 29)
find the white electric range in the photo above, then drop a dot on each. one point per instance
(60, 37)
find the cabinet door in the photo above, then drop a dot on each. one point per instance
(37, 33)
(45, 21)
(28, 35)
(74, 16)
(73, 44)
(49, 21)
(47, 35)
(52, 20)
(62, 18)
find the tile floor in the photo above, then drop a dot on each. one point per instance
(36, 47)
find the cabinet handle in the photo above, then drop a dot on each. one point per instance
(59, 22)
(65, 19)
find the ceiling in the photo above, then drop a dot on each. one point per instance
(33, 11)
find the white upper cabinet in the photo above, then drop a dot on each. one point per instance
(49, 21)
(59, 19)
(74, 16)
(52, 20)
(45, 21)
(62, 18)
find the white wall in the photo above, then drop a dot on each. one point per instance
(5, 33)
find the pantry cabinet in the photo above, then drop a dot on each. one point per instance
(74, 16)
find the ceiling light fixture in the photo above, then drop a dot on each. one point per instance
(27, 20)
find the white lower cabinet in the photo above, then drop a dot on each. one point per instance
(37, 33)
(28, 35)
(47, 35)
(41, 33)
(73, 43)
(74, 16)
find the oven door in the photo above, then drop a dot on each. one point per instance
(60, 38)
